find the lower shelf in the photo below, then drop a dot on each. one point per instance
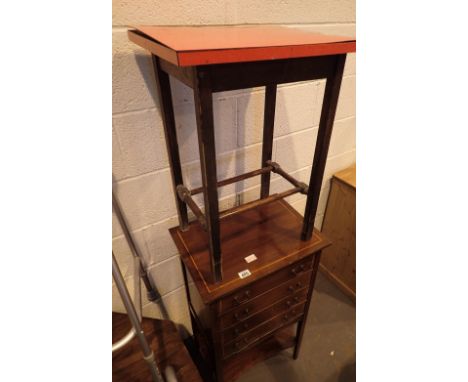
(281, 340)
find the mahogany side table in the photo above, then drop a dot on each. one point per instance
(249, 271)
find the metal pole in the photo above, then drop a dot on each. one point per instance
(148, 354)
(151, 293)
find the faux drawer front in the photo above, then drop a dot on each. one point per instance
(263, 330)
(252, 307)
(250, 292)
(294, 303)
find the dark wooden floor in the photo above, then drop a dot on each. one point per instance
(128, 364)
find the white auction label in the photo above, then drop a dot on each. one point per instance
(250, 258)
(245, 273)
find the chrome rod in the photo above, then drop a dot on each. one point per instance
(124, 340)
(151, 292)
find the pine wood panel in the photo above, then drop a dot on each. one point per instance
(338, 261)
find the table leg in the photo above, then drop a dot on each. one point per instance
(167, 113)
(206, 142)
(268, 126)
(330, 101)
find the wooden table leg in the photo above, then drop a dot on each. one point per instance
(206, 143)
(268, 127)
(167, 113)
(330, 101)
(301, 323)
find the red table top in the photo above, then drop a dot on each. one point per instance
(202, 45)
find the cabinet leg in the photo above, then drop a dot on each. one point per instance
(297, 347)
(302, 322)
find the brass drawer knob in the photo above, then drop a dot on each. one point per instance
(237, 298)
(239, 343)
(245, 312)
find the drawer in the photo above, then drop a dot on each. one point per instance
(257, 288)
(294, 303)
(262, 331)
(252, 307)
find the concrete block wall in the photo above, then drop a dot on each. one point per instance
(142, 179)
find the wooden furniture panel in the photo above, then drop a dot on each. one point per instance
(295, 302)
(275, 295)
(271, 232)
(339, 260)
(267, 347)
(262, 331)
(250, 308)
(287, 275)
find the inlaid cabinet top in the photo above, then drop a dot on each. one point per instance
(203, 45)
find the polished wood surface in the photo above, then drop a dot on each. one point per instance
(244, 326)
(128, 364)
(271, 232)
(339, 223)
(261, 331)
(236, 316)
(248, 309)
(282, 279)
(202, 45)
